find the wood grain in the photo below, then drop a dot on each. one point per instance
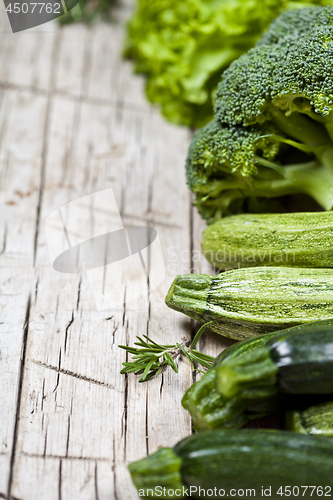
(73, 121)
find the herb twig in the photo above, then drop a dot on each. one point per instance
(150, 358)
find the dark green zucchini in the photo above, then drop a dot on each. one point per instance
(244, 303)
(315, 420)
(210, 410)
(291, 239)
(294, 362)
(236, 461)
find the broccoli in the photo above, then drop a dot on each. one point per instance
(273, 128)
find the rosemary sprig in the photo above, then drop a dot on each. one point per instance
(150, 358)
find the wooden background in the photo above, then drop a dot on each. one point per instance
(74, 120)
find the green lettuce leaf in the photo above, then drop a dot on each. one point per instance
(183, 47)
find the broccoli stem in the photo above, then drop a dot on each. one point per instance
(311, 178)
(300, 127)
(315, 179)
(329, 127)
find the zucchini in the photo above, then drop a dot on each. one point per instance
(243, 303)
(294, 362)
(315, 420)
(292, 239)
(210, 410)
(237, 460)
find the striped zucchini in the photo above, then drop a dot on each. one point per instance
(243, 303)
(236, 462)
(315, 420)
(210, 409)
(296, 362)
(247, 240)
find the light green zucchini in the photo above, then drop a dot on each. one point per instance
(316, 420)
(210, 410)
(248, 240)
(243, 303)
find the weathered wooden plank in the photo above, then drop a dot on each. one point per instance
(36, 478)
(72, 58)
(87, 127)
(29, 57)
(87, 342)
(21, 162)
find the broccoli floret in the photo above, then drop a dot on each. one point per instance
(292, 74)
(296, 23)
(228, 163)
(273, 128)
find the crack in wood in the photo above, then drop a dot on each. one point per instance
(60, 480)
(124, 428)
(113, 333)
(45, 443)
(78, 294)
(162, 382)
(72, 374)
(114, 471)
(5, 232)
(43, 396)
(36, 289)
(62, 457)
(96, 483)
(146, 424)
(71, 321)
(125, 412)
(68, 434)
(124, 306)
(58, 371)
(19, 396)
(46, 135)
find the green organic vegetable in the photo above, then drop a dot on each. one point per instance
(273, 123)
(294, 362)
(315, 420)
(210, 410)
(183, 47)
(240, 461)
(247, 240)
(244, 303)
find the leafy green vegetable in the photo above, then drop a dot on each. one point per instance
(183, 47)
(273, 128)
